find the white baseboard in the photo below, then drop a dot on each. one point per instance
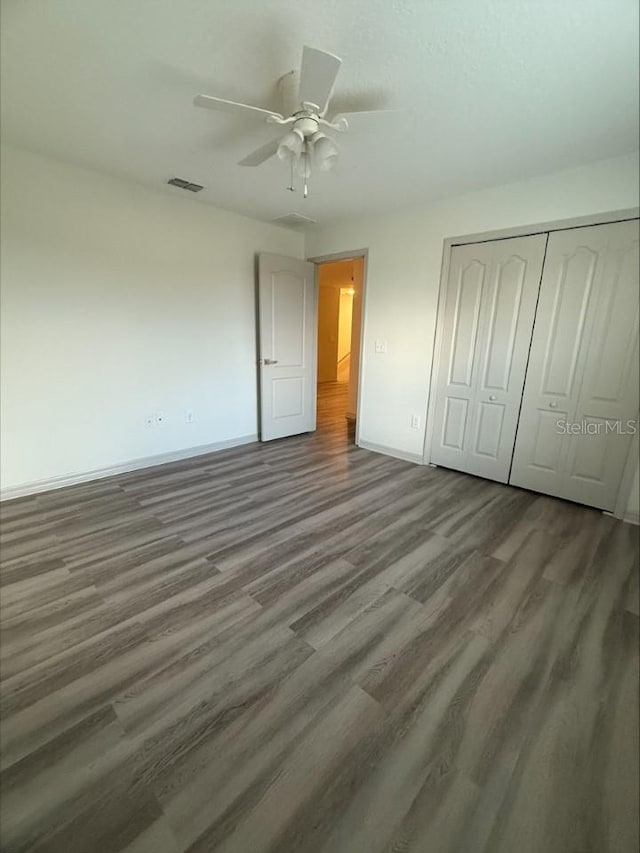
(37, 486)
(390, 451)
(631, 517)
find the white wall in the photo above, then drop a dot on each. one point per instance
(403, 277)
(118, 302)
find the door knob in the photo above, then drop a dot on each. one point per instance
(492, 397)
(271, 361)
(553, 405)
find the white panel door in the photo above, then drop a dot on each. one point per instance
(581, 391)
(490, 305)
(287, 303)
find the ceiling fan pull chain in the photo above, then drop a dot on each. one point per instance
(291, 186)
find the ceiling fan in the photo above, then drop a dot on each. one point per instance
(305, 98)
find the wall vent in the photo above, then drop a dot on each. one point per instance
(185, 185)
(293, 220)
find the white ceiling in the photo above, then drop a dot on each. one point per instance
(500, 90)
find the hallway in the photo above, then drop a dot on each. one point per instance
(332, 410)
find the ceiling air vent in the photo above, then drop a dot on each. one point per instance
(185, 185)
(293, 220)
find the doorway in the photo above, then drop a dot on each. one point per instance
(340, 296)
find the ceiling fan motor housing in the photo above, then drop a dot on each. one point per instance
(307, 123)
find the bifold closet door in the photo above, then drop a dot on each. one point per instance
(490, 304)
(581, 390)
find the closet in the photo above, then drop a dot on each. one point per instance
(537, 379)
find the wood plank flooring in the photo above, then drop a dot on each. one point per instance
(306, 647)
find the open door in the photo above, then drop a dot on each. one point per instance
(287, 303)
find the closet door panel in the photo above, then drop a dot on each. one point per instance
(489, 308)
(590, 458)
(548, 443)
(503, 323)
(466, 316)
(582, 378)
(487, 436)
(563, 310)
(509, 310)
(468, 272)
(455, 421)
(556, 360)
(608, 397)
(612, 360)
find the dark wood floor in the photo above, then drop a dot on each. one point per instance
(304, 646)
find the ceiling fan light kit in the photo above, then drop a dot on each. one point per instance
(325, 151)
(290, 146)
(305, 99)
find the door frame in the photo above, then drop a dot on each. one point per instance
(317, 260)
(507, 234)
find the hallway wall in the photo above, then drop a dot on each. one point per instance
(344, 324)
(328, 313)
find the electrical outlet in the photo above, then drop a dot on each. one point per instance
(381, 346)
(159, 418)
(188, 416)
(415, 421)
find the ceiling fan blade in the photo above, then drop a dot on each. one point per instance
(211, 103)
(317, 77)
(261, 154)
(368, 113)
(355, 118)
